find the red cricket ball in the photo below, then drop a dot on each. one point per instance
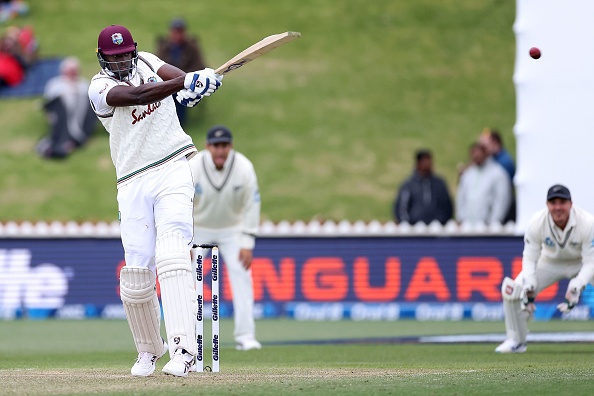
(534, 53)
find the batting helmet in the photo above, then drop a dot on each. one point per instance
(116, 40)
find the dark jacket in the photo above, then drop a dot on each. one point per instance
(423, 199)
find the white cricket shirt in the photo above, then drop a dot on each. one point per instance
(543, 240)
(226, 198)
(141, 138)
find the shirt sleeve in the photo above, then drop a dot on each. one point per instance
(502, 199)
(587, 271)
(402, 203)
(251, 213)
(152, 60)
(532, 246)
(98, 94)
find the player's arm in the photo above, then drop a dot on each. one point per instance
(251, 218)
(196, 84)
(125, 95)
(533, 239)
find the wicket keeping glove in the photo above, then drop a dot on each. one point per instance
(188, 98)
(572, 297)
(204, 82)
(529, 294)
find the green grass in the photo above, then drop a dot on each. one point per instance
(95, 356)
(330, 121)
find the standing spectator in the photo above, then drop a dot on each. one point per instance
(557, 245)
(424, 196)
(227, 213)
(484, 192)
(493, 141)
(182, 51)
(70, 116)
(131, 95)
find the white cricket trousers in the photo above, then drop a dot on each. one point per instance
(548, 273)
(153, 204)
(241, 279)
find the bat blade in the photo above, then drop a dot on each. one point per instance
(255, 51)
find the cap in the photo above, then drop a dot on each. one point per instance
(177, 23)
(115, 39)
(558, 191)
(219, 134)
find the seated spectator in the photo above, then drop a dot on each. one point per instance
(18, 50)
(180, 50)
(70, 116)
(10, 9)
(424, 196)
(484, 191)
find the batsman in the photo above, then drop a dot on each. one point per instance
(558, 244)
(132, 97)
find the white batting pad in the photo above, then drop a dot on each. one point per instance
(516, 318)
(139, 295)
(177, 291)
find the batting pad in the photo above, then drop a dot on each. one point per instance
(516, 326)
(138, 292)
(177, 291)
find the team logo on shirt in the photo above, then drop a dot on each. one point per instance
(152, 79)
(549, 242)
(117, 38)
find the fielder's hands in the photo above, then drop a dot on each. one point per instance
(529, 294)
(203, 82)
(245, 258)
(188, 98)
(572, 297)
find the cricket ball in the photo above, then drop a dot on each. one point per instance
(534, 53)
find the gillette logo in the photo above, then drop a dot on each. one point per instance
(215, 307)
(199, 314)
(199, 269)
(215, 348)
(215, 268)
(199, 355)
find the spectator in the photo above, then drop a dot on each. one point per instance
(493, 141)
(484, 192)
(70, 116)
(10, 9)
(423, 196)
(183, 51)
(18, 50)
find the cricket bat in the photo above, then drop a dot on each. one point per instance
(255, 51)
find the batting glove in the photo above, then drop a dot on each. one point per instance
(572, 297)
(188, 98)
(204, 82)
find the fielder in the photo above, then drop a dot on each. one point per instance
(558, 244)
(132, 97)
(227, 213)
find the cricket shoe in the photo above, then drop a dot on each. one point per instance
(510, 346)
(247, 343)
(146, 363)
(180, 364)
